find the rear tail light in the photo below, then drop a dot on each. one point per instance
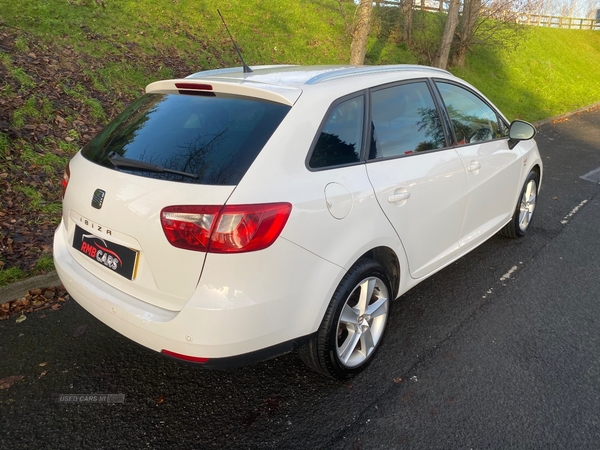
(65, 180)
(227, 229)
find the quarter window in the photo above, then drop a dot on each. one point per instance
(340, 140)
(404, 121)
(472, 119)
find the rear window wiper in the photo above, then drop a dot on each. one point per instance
(133, 164)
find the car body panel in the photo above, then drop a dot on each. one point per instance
(418, 193)
(493, 173)
(234, 310)
(225, 305)
(131, 204)
(279, 94)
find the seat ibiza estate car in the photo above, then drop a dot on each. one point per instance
(229, 217)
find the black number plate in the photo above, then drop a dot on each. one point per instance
(115, 257)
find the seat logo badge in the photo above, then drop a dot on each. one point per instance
(98, 198)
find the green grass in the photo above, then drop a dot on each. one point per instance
(11, 275)
(17, 73)
(21, 44)
(280, 31)
(68, 148)
(79, 93)
(45, 263)
(34, 108)
(48, 161)
(551, 72)
(3, 145)
(530, 82)
(38, 203)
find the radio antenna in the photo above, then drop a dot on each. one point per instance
(244, 65)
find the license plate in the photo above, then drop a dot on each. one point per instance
(115, 257)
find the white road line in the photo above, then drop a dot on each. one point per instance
(507, 275)
(503, 278)
(573, 212)
(593, 176)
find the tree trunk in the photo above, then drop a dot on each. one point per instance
(407, 9)
(358, 48)
(441, 60)
(471, 10)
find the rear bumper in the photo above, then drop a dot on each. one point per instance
(246, 307)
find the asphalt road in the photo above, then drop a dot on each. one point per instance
(499, 350)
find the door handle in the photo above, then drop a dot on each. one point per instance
(399, 197)
(474, 166)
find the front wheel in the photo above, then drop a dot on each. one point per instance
(521, 220)
(354, 323)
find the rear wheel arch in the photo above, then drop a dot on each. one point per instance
(537, 169)
(389, 261)
(354, 323)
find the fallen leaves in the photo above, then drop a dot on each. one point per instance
(34, 300)
(79, 331)
(7, 382)
(43, 374)
(60, 91)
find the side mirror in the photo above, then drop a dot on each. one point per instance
(520, 131)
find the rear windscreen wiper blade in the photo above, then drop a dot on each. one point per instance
(119, 161)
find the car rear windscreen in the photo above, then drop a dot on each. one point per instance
(213, 138)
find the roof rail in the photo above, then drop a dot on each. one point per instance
(364, 70)
(213, 72)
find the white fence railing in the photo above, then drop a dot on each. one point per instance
(540, 20)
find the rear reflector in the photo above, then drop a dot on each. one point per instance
(228, 229)
(195, 359)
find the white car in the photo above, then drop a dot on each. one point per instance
(230, 217)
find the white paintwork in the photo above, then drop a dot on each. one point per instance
(230, 312)
(429, 221)
(132, 204)
(427, 209)
(279, 94)
(490, 203)
(338, 200)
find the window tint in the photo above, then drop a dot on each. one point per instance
(472, 119)
(215, 137)
(341, 137)
(404, 120)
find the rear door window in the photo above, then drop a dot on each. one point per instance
(404, 120)
(215, 137)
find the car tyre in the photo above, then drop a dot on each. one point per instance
(521, 219)
(354, 323)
